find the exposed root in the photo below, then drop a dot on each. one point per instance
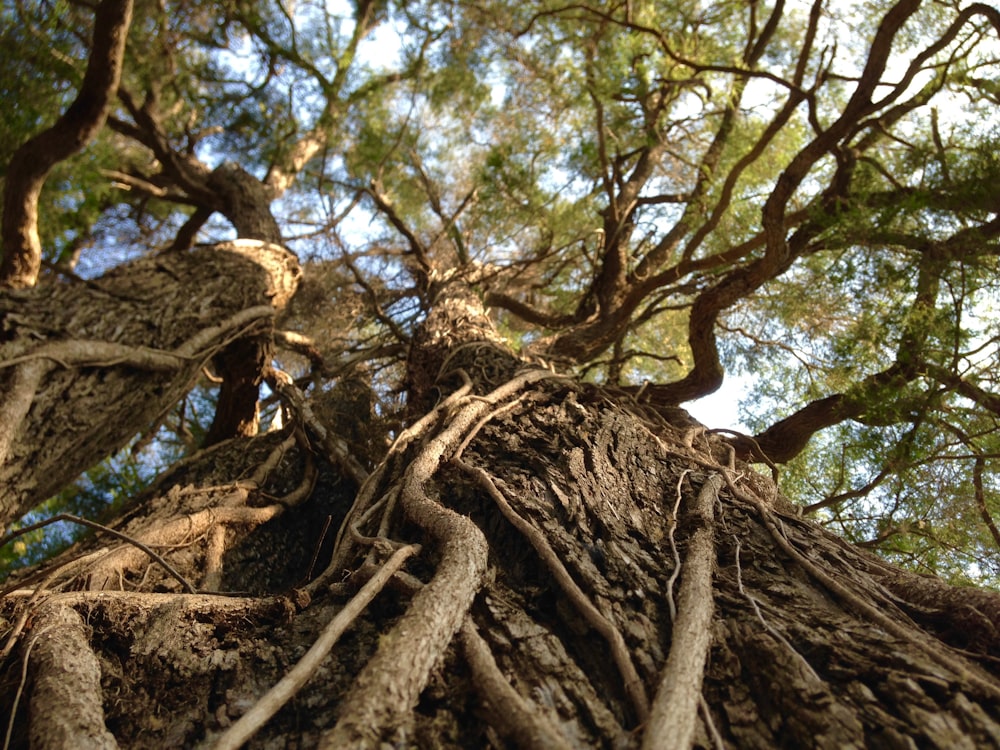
(390, 684)
(674, 713)
(673, 547)
(512, 715)
(931, 649)
(66, 708)
(272, 701)
(117, 534)
(345, 545)
(634, 687)
(806, 666)
(182, 530)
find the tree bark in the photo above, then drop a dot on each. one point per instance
(85, 367)
(585, 565)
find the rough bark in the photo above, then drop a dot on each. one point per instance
(574, 544)
(65, 709)
(85, 367)
(245, 201)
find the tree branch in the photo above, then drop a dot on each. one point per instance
(31, 163)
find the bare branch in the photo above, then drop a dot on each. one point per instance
(31, 163)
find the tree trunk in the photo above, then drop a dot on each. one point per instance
(245, 201)
(589, 574)
(85, 367)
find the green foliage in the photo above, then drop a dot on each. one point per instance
(499, 136)
(42, 61)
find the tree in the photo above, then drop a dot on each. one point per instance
(476, 513)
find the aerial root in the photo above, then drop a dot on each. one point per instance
(66, 700)
(932, 649)
(286, 688)
(674, 713)
(671, 531)
(33, 365)
(368, 499)
(634, 687)
(806, 666)
(510, 713)
(713, 730)
(390, 684)
(215, 543)
(228, 507)
(137, 543)
(180, 531)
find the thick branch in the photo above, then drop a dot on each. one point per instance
(31, 163)
(706, 375)
(204, 300)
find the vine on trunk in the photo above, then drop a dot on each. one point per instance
(591, 571)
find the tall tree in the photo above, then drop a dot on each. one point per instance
(481, 255)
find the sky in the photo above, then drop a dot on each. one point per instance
(720, 410)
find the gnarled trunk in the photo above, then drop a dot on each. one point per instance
(589, 574)
(85, 367)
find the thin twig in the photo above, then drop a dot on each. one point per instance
(319, 545)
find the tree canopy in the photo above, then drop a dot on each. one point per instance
(652, 196)
(375, 322)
